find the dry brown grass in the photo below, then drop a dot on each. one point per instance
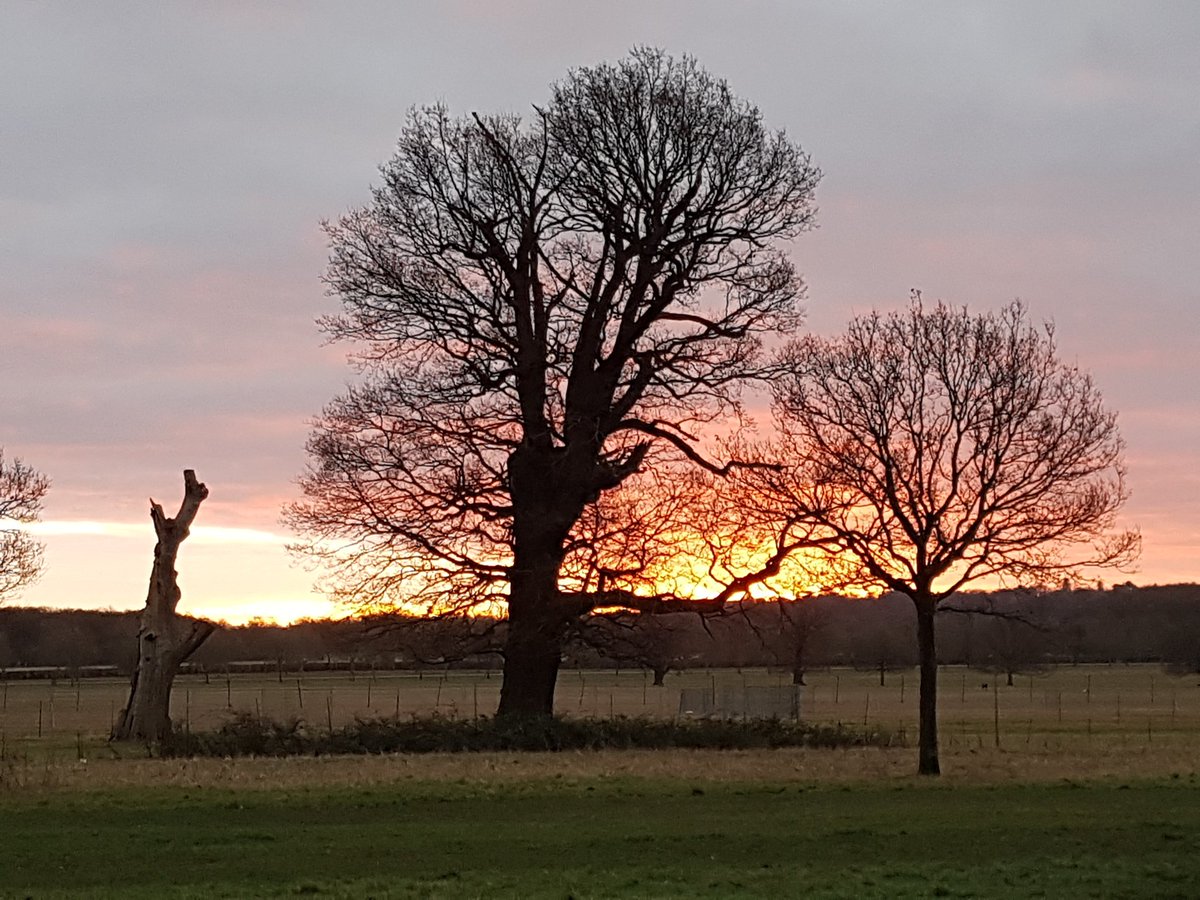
(978, 765)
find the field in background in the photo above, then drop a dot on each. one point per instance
(1128, 704)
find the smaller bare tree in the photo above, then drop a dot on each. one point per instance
(165, 640)
(21, 491)
(787, 629)
(1010, 635)
(936, 448)
(658, 642)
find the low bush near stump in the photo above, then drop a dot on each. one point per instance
(249, 735)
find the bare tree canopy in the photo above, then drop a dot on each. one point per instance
(21, 491)
(539, 308)
(934, 448)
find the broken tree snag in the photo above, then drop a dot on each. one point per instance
(164, 639)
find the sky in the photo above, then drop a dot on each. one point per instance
(165, 169)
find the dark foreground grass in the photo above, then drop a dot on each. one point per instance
(608, 838)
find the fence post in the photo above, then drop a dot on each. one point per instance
(996, 710)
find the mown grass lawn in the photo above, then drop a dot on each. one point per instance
(605, 837)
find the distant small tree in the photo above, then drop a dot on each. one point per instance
(1179, 645)
(1009, 636)
(937, 448)
(788, 629)
(659, 643)
(22, 489)
(882, 650)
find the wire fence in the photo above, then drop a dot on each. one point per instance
(1129, 703)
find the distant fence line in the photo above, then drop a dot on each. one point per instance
(1140, 704)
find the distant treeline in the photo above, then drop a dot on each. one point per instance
(1006, 632)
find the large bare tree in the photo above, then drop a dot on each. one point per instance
(165, 639)
(21, 491)
(936, 448)
(540, 308)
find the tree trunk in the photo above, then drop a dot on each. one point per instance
(533, 648)
(542, 486)
(798, 664)
(532, 654)
(164, 641)
(927, 648)
(660, 676)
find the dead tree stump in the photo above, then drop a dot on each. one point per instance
(164, 640)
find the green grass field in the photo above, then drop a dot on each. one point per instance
(1099, 800)
(602, 837)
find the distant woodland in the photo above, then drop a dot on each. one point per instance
(1007, 633)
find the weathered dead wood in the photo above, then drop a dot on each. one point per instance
(164, 640)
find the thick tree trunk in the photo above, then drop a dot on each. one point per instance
(660, 676)
(164, 641)
(532, 654)
(927, 752)
(533, 648)
(547, 501)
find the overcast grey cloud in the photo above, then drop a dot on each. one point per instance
(165, 168)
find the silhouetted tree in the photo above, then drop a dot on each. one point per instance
(937, 448)
(541, 306)
(165, 640)
(21, 491)
(787, 629)
(659, 643)
(1009, 631)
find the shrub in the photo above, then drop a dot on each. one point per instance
(246, 734)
